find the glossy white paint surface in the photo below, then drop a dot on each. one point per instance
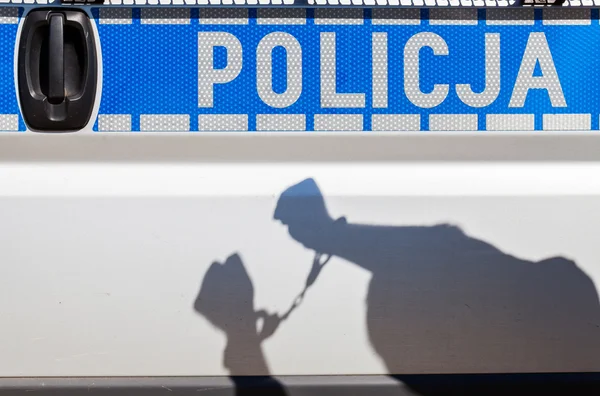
(100, 262)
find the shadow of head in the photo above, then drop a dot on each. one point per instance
(226, 296)
(302, 209)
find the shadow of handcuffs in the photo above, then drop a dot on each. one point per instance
(271, 322)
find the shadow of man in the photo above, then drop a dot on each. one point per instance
(226, 300)
(440, 301)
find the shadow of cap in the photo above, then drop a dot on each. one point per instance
(301, 203)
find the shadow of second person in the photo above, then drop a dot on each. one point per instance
(440, 301)
(226, 300)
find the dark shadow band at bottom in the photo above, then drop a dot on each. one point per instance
(549, 384)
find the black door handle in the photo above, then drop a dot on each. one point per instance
(57, 70)
(56, 61)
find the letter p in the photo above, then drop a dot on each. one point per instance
(208, 76)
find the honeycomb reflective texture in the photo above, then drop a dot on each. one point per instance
(336, 67)
(10, 118)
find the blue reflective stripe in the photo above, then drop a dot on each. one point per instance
(9, 107)
(153, 69)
